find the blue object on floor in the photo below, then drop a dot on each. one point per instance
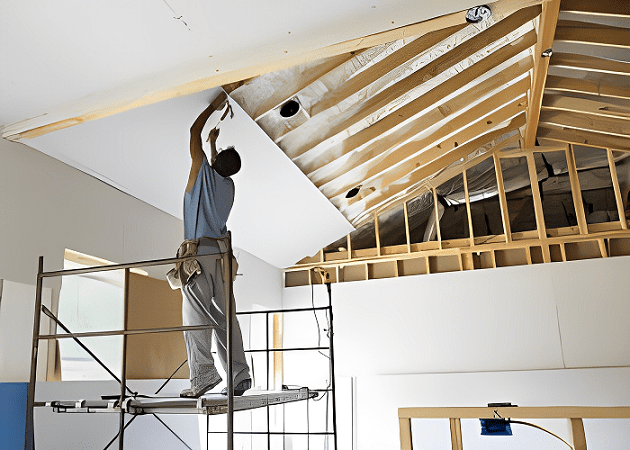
(495, 427)
(13, 415)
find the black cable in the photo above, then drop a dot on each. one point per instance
(169, 378)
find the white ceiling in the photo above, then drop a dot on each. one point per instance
(73, 58)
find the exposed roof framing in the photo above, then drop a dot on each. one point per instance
(381, 123)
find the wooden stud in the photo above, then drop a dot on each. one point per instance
(505, 215)
(407, 233)
(546, 30)
(377, 234)
(576, 192)
(618, 197)
(528, 255)
(278, 363)
(538, 208)
(437, 217)
(349, 245)
(602, 248)
(456, 434)
(405, 434)
(577, 431)
(471, 234)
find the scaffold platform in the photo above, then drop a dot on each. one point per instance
(209, 404)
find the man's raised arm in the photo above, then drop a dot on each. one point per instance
(196, 148)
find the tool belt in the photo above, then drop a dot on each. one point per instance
(184, 270)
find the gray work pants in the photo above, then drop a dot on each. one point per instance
(203, 304)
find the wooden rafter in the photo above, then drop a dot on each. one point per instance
(592, 33)
(611, 8)
(386, 65)
(582, 137)
(596, 106)
(590, 63)
(400, 161)
(546, 31)
(299, 140)
(587, 122)
(605, 86)
(421, 173)
(319, 158)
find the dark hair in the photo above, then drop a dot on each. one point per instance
(227, 162)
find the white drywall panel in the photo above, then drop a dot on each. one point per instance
(278, 214)
(379, 397)
(485, 320)
(594, 311)
(16, 331)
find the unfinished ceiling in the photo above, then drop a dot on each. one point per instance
(397, 113)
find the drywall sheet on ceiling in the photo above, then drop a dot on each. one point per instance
(278, 214)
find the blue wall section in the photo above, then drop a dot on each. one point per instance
(12, 415)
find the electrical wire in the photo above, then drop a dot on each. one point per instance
(540, 428)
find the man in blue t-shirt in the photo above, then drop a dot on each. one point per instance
(207, 203)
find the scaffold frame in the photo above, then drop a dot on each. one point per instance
(128, 402)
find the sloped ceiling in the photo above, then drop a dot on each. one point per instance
(391, 97)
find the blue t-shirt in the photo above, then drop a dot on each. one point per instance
(207, 206)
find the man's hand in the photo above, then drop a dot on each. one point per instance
(214, 134)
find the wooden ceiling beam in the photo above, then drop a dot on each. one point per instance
(597, 107)
(399, 161)
(592, 33)
(582, 137)
(299, 140)
(612, 8)
(383, 67)
(326, 160)
(395, 182)
(587, 122)
(590, 63)
(391, 143)
(606, 85)
(546, 30)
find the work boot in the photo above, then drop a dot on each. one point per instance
(199, 385)
(240, 388)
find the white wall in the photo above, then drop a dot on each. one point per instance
(523, 329)
(47, 206)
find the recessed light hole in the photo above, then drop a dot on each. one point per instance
(290, 108)
(353, 192)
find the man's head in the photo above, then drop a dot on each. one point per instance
(227, 162)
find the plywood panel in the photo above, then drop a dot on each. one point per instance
(153, 304)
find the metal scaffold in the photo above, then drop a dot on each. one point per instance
(134, 404)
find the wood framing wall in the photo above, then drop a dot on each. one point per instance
(540, 245)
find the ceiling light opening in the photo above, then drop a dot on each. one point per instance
(353, 192)
(290, 108)
(478, 13)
